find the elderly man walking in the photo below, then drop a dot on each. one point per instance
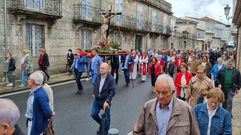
(9, 115)
(229, 80)
(38, 111)
(166, 115)
(104, 91)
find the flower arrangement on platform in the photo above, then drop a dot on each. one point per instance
(107, 45)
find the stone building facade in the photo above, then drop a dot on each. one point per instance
(237, 21)
(199, 34)
(59, 25)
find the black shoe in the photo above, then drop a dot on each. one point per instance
(78, 92)
(98, 131)
(127, 85)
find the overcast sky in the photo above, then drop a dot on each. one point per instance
(201, 8)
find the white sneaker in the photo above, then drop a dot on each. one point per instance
(10, 84)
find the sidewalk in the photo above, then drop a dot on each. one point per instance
(236, 121)
(55, 78)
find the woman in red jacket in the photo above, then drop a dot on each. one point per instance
(154, 70)
(181, 81)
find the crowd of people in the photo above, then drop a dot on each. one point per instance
(194, 90)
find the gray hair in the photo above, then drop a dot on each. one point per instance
(167, 78)
(220, 59)
(230, 61)
(9, 112)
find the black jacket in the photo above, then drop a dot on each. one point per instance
(108, 89)
(236, 80)
(115, 61)
(45, 62)
(11, 66)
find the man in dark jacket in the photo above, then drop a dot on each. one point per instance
(104, 90)
(9, 115)
(229, 80)
(44, 62)
(115, 67)
(70, 60)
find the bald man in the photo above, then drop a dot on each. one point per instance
(104, 90)
(9, 115)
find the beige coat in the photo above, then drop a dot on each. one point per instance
(182, 120)
(197, 87)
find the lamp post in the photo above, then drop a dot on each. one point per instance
(227, 11)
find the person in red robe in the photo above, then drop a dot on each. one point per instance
(143, 66)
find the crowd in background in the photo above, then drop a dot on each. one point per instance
(206, 80)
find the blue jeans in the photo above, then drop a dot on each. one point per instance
(94, 75)
(77, 79)
(24, 78)
(96, 107)
(228, 103)
(127, 76)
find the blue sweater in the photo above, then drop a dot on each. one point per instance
(41, 112)
(220, 123)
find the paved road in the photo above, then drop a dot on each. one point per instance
(73, 111)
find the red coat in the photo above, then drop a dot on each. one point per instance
(177, 64)
(161, 62)
(178, 81)
(158, 69)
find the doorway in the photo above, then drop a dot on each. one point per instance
(138, 42)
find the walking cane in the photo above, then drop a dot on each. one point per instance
(102, 124)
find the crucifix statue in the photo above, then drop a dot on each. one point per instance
(106, 21)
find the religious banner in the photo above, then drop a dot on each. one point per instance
(153, 21)
(140, 17)
(119, 8)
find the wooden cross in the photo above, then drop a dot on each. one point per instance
(106, 21)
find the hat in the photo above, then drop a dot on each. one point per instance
(37, 77)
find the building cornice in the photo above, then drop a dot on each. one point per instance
(160, 4)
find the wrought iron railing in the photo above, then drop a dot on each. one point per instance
(45, 7)
(166, 30)
(83, 12)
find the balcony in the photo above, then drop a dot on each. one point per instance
(130, 23)
(48, 9)
(166, 31)
(87, 14)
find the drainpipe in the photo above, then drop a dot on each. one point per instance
(5, 46)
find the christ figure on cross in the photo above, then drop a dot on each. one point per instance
(106, 22)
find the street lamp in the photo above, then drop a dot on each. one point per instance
(226, 12)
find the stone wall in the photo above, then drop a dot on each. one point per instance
(64, 34)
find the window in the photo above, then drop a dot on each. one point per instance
(35, 4)
(86, 39)
(172, 46)
(35, 38)
(86, 10)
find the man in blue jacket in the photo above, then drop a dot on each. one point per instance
(127, 60)
(38, 110)
(79, 67)
(104, 90)
(95, 66)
